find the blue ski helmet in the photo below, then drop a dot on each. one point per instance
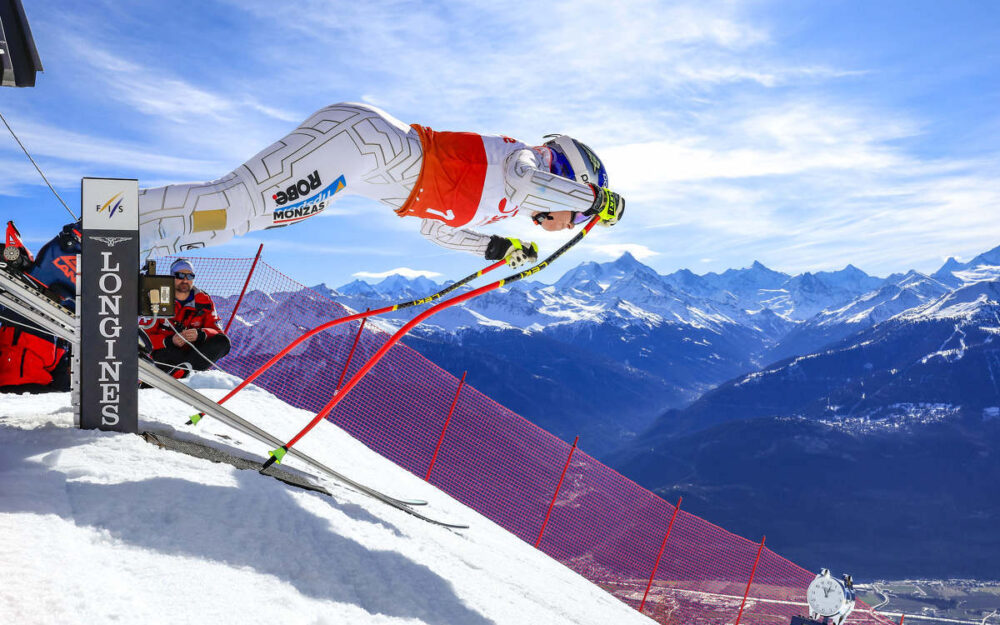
(574, 160)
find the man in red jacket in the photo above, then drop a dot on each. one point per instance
(192, 339)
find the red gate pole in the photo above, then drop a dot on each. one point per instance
(901, 617)
(243, 292)
(660, 555)
(446, 422)
(351, 354)
(556, 494)
(753, 571)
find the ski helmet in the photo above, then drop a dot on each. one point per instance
(574, 160)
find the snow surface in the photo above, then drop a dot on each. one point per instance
(98, 527)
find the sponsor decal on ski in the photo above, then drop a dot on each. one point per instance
(309, 207)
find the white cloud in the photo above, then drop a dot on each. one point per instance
(727, 141)
(406, 272)
(614, 250)
(68, 145)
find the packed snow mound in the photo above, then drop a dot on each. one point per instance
(100, 527)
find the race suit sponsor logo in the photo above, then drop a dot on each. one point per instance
(302, 188)
(312, 206)
(505, 212)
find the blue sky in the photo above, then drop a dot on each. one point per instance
(806, 135)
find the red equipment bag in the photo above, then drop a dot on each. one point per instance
(26, 358)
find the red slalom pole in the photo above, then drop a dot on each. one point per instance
(378, 356)
(351, 354)
(329, 324)
(243, 292)
(427, 478)
(753, 571)
(279, 453)
(660, 555)
(556, 494)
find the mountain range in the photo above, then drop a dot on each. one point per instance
(853, 419)
(609, 347)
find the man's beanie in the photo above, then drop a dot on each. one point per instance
(181, 264)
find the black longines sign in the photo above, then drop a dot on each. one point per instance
(109, 305)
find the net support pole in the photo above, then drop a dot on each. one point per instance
(556, 494)
(447, 421)
(663, 545)
(244, 291)
(753, 571)
(350, 355)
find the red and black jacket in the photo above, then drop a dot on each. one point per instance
(197, 312)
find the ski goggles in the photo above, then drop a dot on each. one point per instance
(184, 275)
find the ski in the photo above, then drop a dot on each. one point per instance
(151, 375)
(27, 301)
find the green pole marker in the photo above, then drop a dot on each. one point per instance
(278, 454)
(195, 418)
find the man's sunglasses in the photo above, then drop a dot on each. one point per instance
(183, 275)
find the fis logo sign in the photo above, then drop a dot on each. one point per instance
(112, 206)
(302, 188)
(307, 208)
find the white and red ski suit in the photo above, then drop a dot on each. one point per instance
(453, 181)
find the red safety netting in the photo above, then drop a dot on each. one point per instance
(602, 525)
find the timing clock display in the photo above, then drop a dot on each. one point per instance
(829, 597)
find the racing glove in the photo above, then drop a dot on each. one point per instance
(609, 205)
(514, 251)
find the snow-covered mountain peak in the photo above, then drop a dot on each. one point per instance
(978, 274)
(949, 273)
(962, 303)
(591, 291)
(747, 282)
(326, 290)
(397, 284)
(991, 257)
(605, 273)
(358, 287)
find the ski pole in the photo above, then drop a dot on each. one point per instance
(279, 453)
(329, 324)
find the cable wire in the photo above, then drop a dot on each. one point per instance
(75, 218)
(211, 362)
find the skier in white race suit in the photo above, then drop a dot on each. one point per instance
(453, 182)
